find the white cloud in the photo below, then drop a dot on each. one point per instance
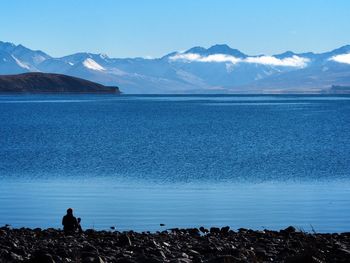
(221, 58)
(344, 58)
(191, 57)
(186, 57)
(294, 61)
(92, 64)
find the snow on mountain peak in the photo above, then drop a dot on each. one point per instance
(92, 64)
(20, 63)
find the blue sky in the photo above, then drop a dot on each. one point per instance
(129, 28)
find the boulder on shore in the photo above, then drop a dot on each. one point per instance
(180, 245)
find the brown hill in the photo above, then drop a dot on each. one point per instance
(50, 83)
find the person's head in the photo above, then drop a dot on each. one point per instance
(79, 219)
(69, 211)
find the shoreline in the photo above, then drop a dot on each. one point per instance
(174, 245)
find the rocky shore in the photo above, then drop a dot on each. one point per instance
(175, 245)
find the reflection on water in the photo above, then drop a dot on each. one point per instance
(137, 161)
(254, 103)
(103, 203)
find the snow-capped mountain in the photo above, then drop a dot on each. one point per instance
(22, 58)
(218, 69)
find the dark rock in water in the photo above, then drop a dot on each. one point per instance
(193, 231)
(90, 231)
(214, 230)
(242, 230)
(175, 230)
(203, 230)
(288, 230)
(225, 229)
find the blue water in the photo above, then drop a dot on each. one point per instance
(134, 162)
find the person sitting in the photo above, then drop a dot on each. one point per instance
(69, 222)
(80, 230)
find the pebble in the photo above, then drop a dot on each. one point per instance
(176, 245)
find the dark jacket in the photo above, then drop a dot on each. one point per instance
(69, 223)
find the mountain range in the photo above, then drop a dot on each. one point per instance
(218, 69)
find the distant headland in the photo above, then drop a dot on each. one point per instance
(51, 83)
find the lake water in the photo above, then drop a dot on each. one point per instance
(134, 162)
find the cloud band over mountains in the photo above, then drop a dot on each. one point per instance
(293, 61)
(343, 58)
